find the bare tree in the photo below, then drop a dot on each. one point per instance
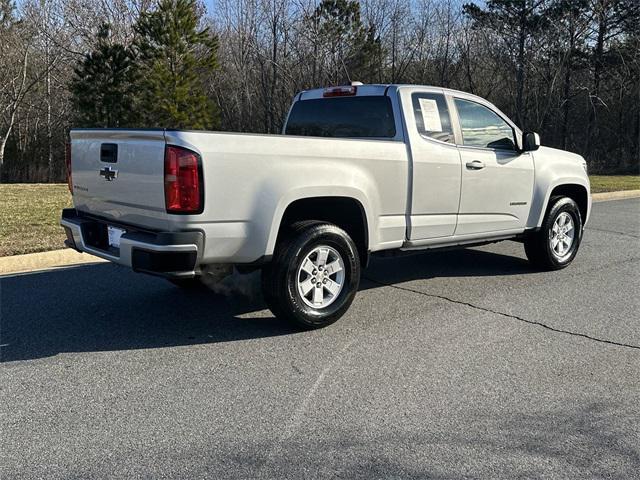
(567, 68)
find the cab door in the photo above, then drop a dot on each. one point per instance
(435, 169)
(497, 179)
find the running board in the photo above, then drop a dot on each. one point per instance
(463, 240)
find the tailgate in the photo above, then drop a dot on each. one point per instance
(119, 175)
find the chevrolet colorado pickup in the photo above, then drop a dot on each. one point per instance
(358, 169)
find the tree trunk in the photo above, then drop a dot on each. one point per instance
(566, 91)
(393, 51)
(594, 96)
(467, 61)
(635, 153)
(49, 132)
(5, 138)
(3, 143)
(274, 71)
(520, 65)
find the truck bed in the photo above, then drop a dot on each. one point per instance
(248, 180)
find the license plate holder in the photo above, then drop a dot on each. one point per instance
(114, 234)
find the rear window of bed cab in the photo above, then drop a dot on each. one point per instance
(343, 117)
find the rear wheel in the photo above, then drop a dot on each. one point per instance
(314, 275)
(556, 244)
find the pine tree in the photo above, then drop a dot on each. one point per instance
(104, 86)
(176, 56)
(365, 65)
(352, 49)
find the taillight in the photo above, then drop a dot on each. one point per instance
(182, 180)
(67, 162)
(345, 91)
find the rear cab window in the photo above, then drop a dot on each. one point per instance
(432, 117)
(343, 117)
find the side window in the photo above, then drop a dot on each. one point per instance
(432, 116)
(481, 127)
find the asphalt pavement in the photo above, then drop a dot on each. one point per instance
(458, 364)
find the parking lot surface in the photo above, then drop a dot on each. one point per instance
(458, 364)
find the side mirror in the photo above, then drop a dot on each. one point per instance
(530, 141)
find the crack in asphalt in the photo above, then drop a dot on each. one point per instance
(514, 317)
(295, 421)
(613, 231)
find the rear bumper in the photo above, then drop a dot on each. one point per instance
(169, 254)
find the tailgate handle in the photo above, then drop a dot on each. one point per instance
(109, 152)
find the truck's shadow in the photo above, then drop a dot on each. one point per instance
(105, 307)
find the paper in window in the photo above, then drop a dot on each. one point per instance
(430, 115)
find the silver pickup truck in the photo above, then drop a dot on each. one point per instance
(358, 169)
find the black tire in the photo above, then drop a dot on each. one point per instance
(280, 278)
(538, 247)
(187, 283)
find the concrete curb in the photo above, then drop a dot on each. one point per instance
(603, 197)
(67, 257)
(44, 261)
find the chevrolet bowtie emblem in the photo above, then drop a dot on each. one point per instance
(109, 174)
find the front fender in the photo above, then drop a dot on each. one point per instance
(542, 194)
(555, 168)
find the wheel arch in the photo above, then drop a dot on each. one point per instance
(344, 211)
(572, 188)
(578, 193)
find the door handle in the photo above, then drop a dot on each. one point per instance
(475, 165)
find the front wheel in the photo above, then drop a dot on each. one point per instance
(314, 275)
(556, 244)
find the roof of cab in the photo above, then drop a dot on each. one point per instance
(362, 90)
(375, 89)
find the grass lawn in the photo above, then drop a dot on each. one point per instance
(29, 216)
(613, 183)
(29, 213)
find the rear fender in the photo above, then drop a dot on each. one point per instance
(315, 192)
